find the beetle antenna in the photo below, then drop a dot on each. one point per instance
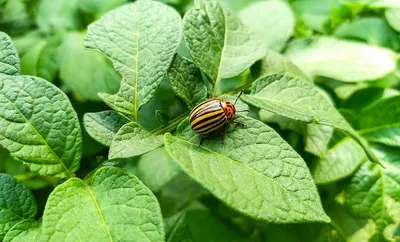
(238, 96)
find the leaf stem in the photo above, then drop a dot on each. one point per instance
(171, 125)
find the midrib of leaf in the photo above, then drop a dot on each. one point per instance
(99, 210)
(182, 216)
(136, 114)
(215, 88)
(19, 216)
(41, 137)
(381, 224)
(238, 163)
(378, 128)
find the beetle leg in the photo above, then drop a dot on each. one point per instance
(201, 141)
(237, 122)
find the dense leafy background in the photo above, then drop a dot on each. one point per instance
(94, 139)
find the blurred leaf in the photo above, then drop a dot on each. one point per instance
(162, 117)
(42, 59)
(233, 47)
(380, 123)
(99, 7)
(132, 140)
(298, 232)
(9, 60)
(186, 81)
(313, 13)
(384, 4)
(372, 30)
(345, 224)
(26, 230)
(393, 17)
(102, 126)
(97, 75)
(254, 166)
(272, 21)
(343, 60)
(14, 17)
(156, 169)
(300, 100)
(16, 203)
(114, 207)
(58, 16)
(275, 63)
(339, 162)
(141, 54)
(180, 191)
(198, 225)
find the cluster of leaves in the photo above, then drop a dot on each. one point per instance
(317, 160)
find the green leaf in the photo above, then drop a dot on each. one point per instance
(141, 54)
(97, 75)
(16, 203)
(384, 4)
(379, 122)
(254, 172)
(300, 100)
(162, 117)
(373, 193)
(316, 137)
(58, 16)
(198, 224)
(99, 7)
(273, 21)
(156, 169)
(220, 44)
(9, 61)
(393, 17)
(298, 232)
(275, 63)
(14, 17)
(186, 81)
(114, 207)
(339, 162)
(42, 59)
(39, 126)
(26, 230)
(133, 140)
(178, 193)
(102, 126)
(343, 60)
(372, 30)
(177, 228)
(313, 13)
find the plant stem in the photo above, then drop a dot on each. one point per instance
(171, 125)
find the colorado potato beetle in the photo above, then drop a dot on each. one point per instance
(213, 115)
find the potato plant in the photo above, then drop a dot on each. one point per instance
(96, 145)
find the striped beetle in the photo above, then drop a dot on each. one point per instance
(213, 115)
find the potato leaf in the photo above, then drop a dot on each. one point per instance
(300, 100)
(133, 140)
(17, 203)
(220, 44)
(273, 21)
(114, 207)
(142, 54)
(103, 126)
(254, 172)
(343, 60)
(186, 81)
(9, 61)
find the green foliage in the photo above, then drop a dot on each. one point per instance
(95, 142)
